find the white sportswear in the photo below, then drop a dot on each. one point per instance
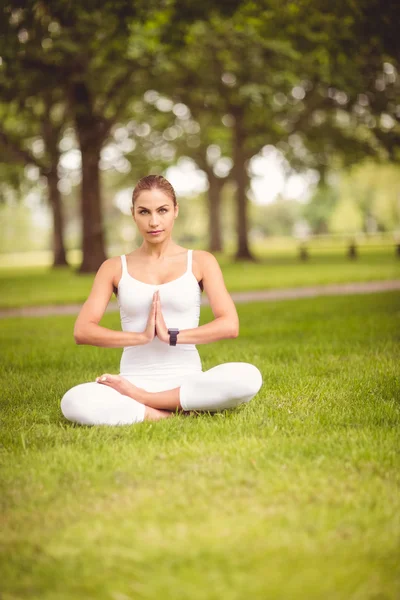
(156, 366)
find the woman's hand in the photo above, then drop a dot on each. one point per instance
(122, 385)
(150, 331)
(161, 328)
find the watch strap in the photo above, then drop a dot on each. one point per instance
(173, 336)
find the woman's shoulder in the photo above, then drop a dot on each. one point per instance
(111, 269)
(204, 256)
(111, 263)
(205, 261)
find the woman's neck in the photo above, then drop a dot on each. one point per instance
(157, 251)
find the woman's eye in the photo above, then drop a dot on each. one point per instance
(163, 210)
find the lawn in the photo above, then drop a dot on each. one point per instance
(39, 285)
(295, 495)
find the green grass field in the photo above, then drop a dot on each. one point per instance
(295, 495)
(39, 285)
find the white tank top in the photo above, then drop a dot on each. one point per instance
(180, 304)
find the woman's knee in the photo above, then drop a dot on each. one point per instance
(97, 404)
(244, 377)
(253, 378)
(75, 406)
(248, 380)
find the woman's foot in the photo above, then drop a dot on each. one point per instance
(154, 414)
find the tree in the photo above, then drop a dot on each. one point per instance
(223, 71)
(97, 52)
(21, 126)
(83, 52)
(270, 73)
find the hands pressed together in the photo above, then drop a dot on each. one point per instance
(155, 327)
(155, 323)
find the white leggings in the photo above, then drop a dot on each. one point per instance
(221, 387)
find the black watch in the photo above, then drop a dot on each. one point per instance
(173, 336)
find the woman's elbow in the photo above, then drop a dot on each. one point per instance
(78, 339)
(233, 330)
(79, 336)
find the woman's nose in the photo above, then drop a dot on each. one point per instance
(153, 220)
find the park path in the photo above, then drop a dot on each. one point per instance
(333, 289)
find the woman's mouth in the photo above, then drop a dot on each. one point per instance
(155, 232)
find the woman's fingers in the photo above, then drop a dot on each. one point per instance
(104, 378)
(161, 328)
(154, 305)
(151, 320)
(158, 303)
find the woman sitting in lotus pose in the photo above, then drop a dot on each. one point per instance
(158, 287)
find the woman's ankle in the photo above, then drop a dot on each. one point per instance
(155, 414)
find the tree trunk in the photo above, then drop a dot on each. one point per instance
(93, 252)
(59, 255)
(241, 179)
(214, 212)
(91, 131)
(51, 135)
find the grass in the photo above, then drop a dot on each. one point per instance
(29, 286)
(295, 495)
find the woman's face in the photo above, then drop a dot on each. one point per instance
(154, 214)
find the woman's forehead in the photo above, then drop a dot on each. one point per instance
(153, 198)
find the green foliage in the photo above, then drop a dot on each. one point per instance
(22, 233)
(346, 218)
(319, 208)
(277, 218)
(364, 197)
(375, 190)
(294, 495)
(321, 83)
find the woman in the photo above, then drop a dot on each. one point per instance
(158, 287)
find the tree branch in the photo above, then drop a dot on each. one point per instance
(21, 155)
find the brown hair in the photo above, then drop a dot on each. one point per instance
(151, 182)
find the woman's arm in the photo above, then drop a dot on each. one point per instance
(87, 329)
(226, 321)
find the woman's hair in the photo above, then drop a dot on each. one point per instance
(151, 182)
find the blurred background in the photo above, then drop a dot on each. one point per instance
(278, 124)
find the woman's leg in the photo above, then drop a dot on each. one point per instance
(221, 387)
(96, 404)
